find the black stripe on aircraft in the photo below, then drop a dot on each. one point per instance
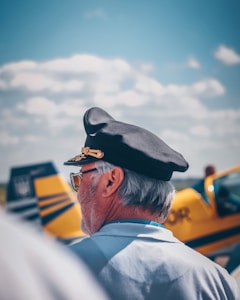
(53, 204)
(214, 237)
(32, 217)
(50, 217)
(52, 196)
(22, 208)
(26, 214)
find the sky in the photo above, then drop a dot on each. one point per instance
(170, 66)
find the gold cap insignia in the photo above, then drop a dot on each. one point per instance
(87, 151)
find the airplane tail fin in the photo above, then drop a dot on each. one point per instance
(39, 194)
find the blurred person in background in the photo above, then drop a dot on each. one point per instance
(199, 185)
(33, 267)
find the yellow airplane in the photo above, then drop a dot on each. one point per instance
(39, 194)
(209, 219)
(205, 217)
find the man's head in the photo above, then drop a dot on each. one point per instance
(209, 170)
(107, 192)
(123, 166)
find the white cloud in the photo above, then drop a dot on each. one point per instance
(39, 82)
(190, 63)
(33, 139)
(231, 123)
(193, 63)
(129, 98)
(226, 55)
(82, 73)
(74, 64)
(200, 131)
(72, 107)
(208, 87)
(8, 139)
(67, 75)
(146, 84)
(32, 82)
(147, 68)
(174, 136)
(38, 106)
(19, 66)
(3, 85)
(42, 105)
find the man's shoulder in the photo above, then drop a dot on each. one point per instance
(83, 244)
(88, 251)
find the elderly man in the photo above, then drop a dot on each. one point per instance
(125, 195)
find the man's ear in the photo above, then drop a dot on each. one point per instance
(113, 181)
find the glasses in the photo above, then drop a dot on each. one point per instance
(77, 177)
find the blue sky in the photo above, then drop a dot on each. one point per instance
(172, 67)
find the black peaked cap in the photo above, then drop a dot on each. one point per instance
(127, 146)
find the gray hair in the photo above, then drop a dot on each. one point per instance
(137, 189)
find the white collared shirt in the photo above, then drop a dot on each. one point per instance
(143, 261)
